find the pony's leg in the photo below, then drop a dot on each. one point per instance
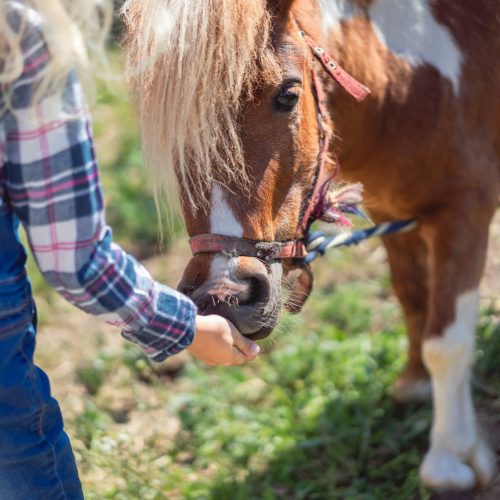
(408, 262)
(458, 457)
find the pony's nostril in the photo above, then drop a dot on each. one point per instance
(257, 291)
(252, 294)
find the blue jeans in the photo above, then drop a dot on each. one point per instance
(36, 460)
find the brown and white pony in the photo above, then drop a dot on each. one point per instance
(229, 96)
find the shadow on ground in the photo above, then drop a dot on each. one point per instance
(357, 443)
(321, 467)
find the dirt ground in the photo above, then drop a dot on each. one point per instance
(61, 347)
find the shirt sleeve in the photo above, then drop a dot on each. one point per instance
(52, 181)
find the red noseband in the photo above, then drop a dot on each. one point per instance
(293, 249)
(237, 247)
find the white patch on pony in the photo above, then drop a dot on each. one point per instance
(458, 458)
(333, 12)
(223, 284)
(221, 269)
(224, 222)
(410, 31)
(222, 219)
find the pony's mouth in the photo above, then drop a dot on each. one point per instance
(255, 322)
(247, 293)
(263, 333)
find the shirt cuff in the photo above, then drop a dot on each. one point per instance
(171, 328)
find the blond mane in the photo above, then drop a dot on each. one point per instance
(190, 62)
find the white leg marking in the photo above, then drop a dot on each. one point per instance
(458, 458)
(222, 218)
(410, 30)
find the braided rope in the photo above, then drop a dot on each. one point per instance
(318, 243)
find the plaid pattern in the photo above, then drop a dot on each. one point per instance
(48, 172)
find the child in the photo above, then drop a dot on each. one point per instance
(49, 182)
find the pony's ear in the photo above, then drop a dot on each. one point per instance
(300, 282)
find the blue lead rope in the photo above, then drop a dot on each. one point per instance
(318, 243)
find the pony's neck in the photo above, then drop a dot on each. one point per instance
(355, 122)
(383, 44)
(355, 42)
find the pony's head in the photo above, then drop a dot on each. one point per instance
(230, 106)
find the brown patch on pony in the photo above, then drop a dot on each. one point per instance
(279, 8)
(423, 152)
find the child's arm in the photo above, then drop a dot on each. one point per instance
(53, 184)
(54, 187)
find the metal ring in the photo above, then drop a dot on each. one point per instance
(332, 65)
(319, 50)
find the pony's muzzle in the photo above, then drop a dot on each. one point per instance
(242, 289)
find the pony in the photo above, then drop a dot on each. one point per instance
(247, 111)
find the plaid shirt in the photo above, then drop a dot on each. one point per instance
(49, 178)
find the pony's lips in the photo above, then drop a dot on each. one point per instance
(247, 300)
(263, 333)
(247, 319)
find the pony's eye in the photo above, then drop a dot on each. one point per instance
(287, 99)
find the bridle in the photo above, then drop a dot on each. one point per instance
(315, 207)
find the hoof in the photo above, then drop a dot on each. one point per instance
(443, 470)
(412, 390)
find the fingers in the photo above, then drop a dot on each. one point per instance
(218, 342)
(247, 349)
(238, 358)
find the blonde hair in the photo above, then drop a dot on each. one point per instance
(192, 65)
(75, 32)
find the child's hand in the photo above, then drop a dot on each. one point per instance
(218, 342)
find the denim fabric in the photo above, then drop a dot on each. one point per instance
(36, 460)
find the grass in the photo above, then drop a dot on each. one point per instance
(313, 418)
